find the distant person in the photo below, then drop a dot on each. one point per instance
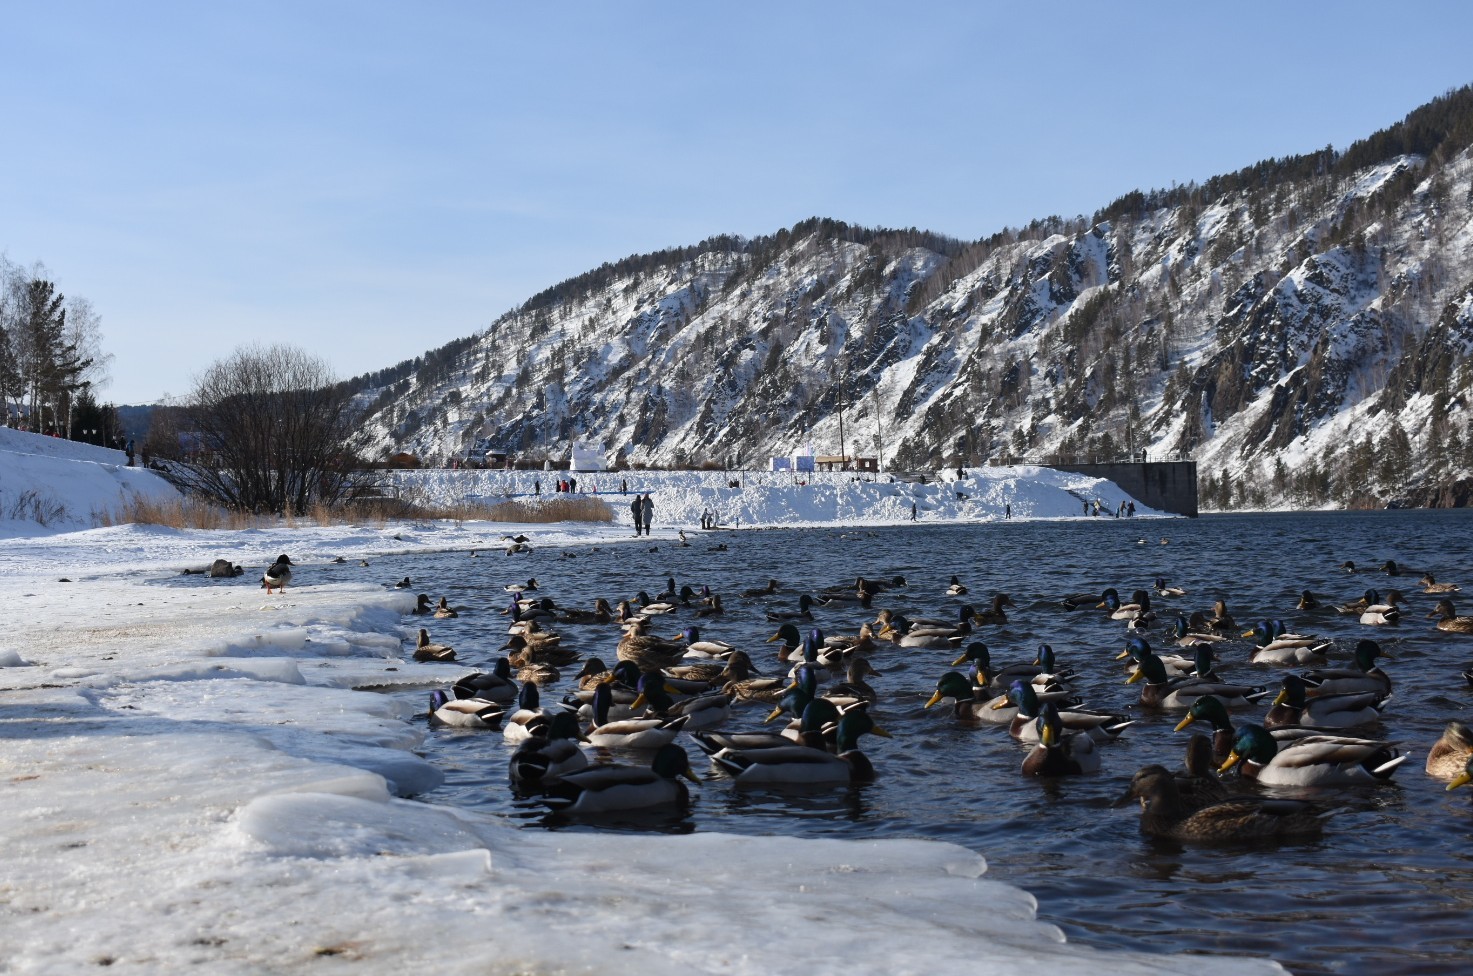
(636, 509)
(647, 506)
(1130, 510)
(537, 487)
(128, 450)
(572, 485)
(1007, 510)
(706, 519)
(914, 514)
(623, 486)
(1086, 506)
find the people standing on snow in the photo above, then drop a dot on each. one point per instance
(636, 509)
(648, 507)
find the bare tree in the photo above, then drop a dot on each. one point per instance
(265, 430)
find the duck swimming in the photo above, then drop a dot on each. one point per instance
(1365, 676)
(1164, 813)
(613, 788)
(464, 713)
(1058, 753)
(1449, 756)
(547, 756)
(1315, 760)
(1293, 707)
(426, 651)
(804, 765)
(1448, 619)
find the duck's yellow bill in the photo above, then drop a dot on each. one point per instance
(1137, 675)
(1462, 779)
(1232, 760)
(934, 699)
(1184, 723)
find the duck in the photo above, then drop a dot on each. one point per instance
(736, 666)
(771, 588)
(1378, 613)
(444, 611)
(426, 651)
(496, 685)
(696, 646)
(1463, 778)
(713, 607)
(422, 606)
(1293, 707)
(631, 733)
(1177, 694)
(464, 713)
(1197, 781)
(650, 607)
(1369, 599)
(614, 788)
(1058, 753)
(703, 711)
(803, 765)
(651, 653)
(1429, 585)
(520, 588)
(994, 615)
(1293, 650)
(601, 613)
(403, 584)
(1448, 619)
(538, 647)
(957, 588)
(998, 680)
(1448, 759)
(278, 575)
(1164, 590)
(1165, 813)
(1186, 635)
(530, 718)
(854, 685)
(1315, 760)
(1098, 726)
(904, 632)
(1307, 601)
(1365, 676)
(1390, 568)
(1221, 620)
(550, 755)
(971, 703)
(804, 611)
(1211, 710)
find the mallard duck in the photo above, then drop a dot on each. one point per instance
(1221, 620)
(1307, 601)
(1177, 694)
(1430, 585)
(538, 647)
(768, 590)
(1198, 781)
(1390, 568)
(278, 575)
(1365, 676)
(464, 713)
(1463, 778)
(1294, 707)
(1099, 726)
(707, 710)
(695, 645)
(971, 703)
(804, 611)
(426, 651)
(713, 607)
(854, 685)
(601, 613)
(957, 588)
(1450, 754)
(805, 765)
(443, 611)
(650, 607)
(737, 666)
(1380, 613)
(631, 733)
(1448, 619)
(904, 632)
(422, 606)
(530, 718)
(1164, 813)
(1211, 710)
(1058, 753)
(713, 742)
(1287, 649)
(1187, 635)
(1368, 600)
(614, 788)
(994, 615)
(548, 756)
(1164, 590)
(651, 653)
(1315, 760)
(531, 584)
(403, 584)
(998, 680)
(496, 685)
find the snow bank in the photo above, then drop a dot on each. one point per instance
(47, 481)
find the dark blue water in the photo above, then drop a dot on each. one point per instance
(1386, 890)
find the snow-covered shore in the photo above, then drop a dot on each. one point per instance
(191, 779)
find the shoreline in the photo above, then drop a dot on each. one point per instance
(246, 784)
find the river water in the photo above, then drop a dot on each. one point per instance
(1387, 889)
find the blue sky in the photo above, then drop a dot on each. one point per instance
(369, 181)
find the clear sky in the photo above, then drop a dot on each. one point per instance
(371, 180)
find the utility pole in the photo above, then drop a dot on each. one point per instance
(879, 441)
(843, 458)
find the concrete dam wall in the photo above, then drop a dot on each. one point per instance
(1170, 486)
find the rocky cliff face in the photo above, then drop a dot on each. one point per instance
(1302, 328)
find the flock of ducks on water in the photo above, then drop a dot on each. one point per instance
(659, 688)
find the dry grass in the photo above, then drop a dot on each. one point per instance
(545, 510)
(178, 513)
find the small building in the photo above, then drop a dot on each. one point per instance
(403, 460)
(847, 462)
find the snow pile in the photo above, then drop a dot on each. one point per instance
(61, 483)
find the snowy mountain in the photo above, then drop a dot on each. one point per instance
(1302, 328)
